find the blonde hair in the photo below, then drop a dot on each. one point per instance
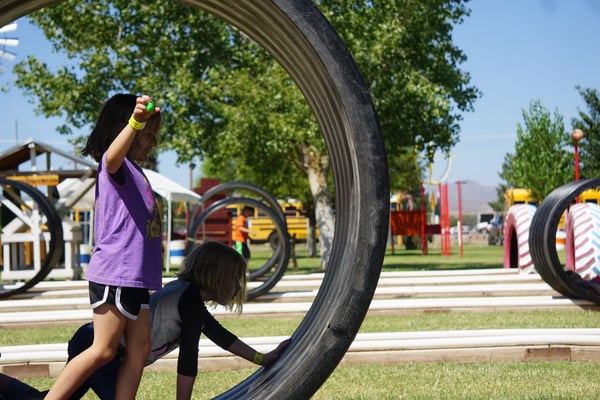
(214, 266)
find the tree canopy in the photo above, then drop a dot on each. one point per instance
(543, 156)
(589, 123)
(208, 77)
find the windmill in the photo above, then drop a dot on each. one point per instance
(5, 42)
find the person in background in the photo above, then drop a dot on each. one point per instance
(241, 232)
(126, 262)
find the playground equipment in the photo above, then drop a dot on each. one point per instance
(583, 235)
(301, 39)
(34, 220)
(572, 233)
(273, 269)
(519, 207)
(542, 237)
(29, 216)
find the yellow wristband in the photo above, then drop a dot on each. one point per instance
(138, 126)
(258, 357)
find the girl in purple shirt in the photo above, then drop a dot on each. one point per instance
(127, 260)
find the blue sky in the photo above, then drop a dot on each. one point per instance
(518, 51)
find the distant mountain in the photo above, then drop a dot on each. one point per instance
(475, 197)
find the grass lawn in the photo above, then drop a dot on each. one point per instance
(441, 381)
(501, 380)
(475, 256)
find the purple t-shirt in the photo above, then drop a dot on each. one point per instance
(127, 231)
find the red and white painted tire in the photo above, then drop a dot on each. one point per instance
(583, 239)
(518, 221)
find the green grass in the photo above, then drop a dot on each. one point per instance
(475, 256)
(441, 381)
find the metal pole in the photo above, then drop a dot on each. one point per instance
(459, 223)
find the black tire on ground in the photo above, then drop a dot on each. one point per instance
(12, 192)
(301, 39)
(542, 238)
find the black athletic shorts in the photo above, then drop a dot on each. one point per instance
(129, 301)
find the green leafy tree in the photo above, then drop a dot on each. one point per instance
(589, 123)
(229, 105)
(543, 159)
(164, 49)
(498, 204)
(405, 51)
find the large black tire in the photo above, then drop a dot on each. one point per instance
(271, 272)
(301, 39)
(542, 239)
(14, 192)
(267, 200)
(232, 186)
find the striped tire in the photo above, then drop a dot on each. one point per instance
(516, 238)
(583, 239)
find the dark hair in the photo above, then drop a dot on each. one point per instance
(112, 119)
(248, 208)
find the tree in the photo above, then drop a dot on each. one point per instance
(542, 160)
(137, 47)
(404, 49)
(228, 103)
(498, 204)
(589, 146)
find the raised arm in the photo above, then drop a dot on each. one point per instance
(118, 149)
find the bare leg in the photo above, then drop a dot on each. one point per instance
(108, 328)
(137, 343)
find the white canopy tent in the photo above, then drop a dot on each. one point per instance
(172, 192)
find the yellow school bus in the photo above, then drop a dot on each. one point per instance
(263, 226)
